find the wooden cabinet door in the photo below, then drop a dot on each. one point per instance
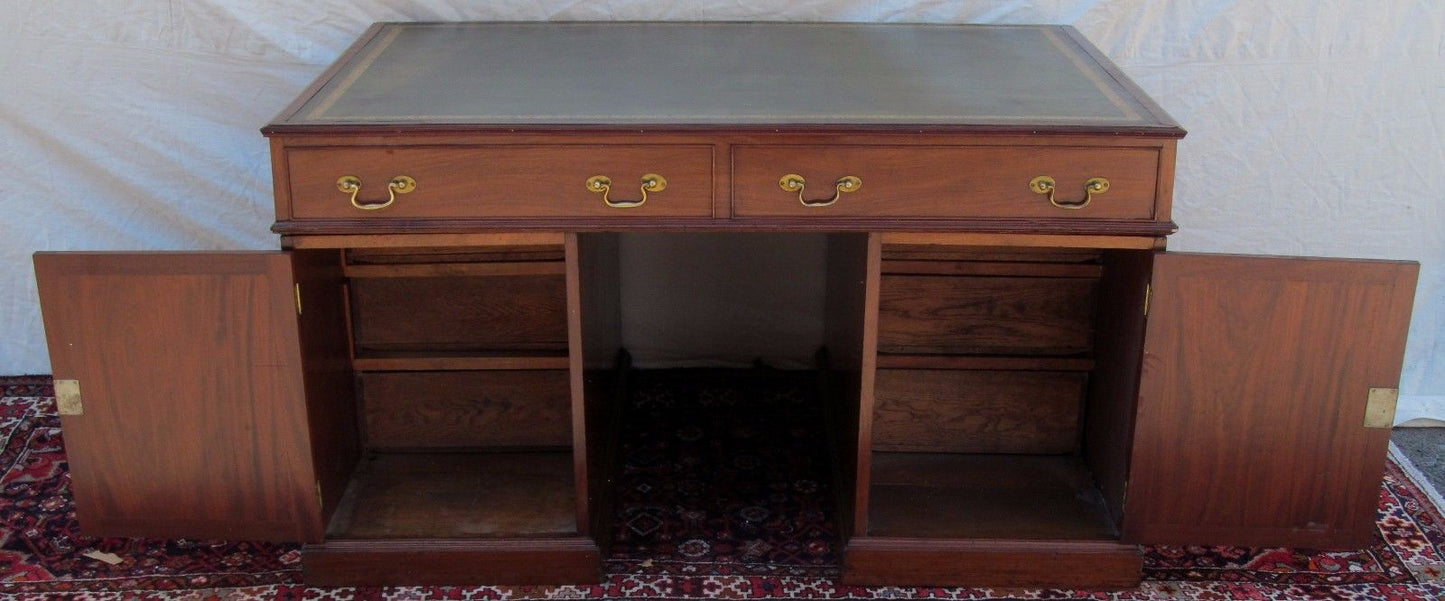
(191, 421)
(1251, 427)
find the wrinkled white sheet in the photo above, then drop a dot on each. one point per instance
(1316, 127)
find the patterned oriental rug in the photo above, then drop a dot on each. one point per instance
(724, 495)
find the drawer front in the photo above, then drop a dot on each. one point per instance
(501, 181)
(945, 182)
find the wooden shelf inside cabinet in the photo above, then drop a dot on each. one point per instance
(457, 254)
(441, 360)
(431, 270)
(984, 362)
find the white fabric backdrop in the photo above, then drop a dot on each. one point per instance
(1316, 127)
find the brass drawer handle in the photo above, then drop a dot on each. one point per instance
(350, 184)
(793, 182)
(602, 184)
(1044, 184)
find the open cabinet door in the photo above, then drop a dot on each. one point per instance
(1252, 425)
(180, 388)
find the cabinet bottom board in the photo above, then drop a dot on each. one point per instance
(528, 561)
(977, 496)
(1092, 565)
(458, 495)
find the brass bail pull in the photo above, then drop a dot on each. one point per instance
(602, 184)
(350, 184)
(1044, 184)
(793, 182)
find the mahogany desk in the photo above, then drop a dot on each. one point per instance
(1022, 385)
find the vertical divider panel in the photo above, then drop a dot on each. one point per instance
(841, 382)
(868, 367)
(1114, 385)
(331, 398)
(577, 379)
(594, 340)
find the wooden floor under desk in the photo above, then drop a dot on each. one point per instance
(458, 495)
(976, 496)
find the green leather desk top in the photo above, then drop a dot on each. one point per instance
(639, 75)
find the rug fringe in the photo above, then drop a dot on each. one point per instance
(1417, 478)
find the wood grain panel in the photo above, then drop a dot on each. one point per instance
(845, 320)
(991, 268)
(423, 270)
(432, 360)
(458, 495)
(872, 278)
(985, 315)
(1011, 254)
(959, 496)
(454, 313)
(190, 368)
(374, 234)
(421, 409)
(1114, 384)
(325, 336)
(977, 411)
(599, 375)
(986, 362)
(501, 181)
(1091, 565)
(452, 562)
(461, 254)
(942, 181)
(1252, 399)
(1037, 233)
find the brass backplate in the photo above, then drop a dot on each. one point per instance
(67, 397)
(1380, 408)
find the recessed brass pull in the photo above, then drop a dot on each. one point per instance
(350, 184)
(793, 182)
(602, 184)
(1044, 184)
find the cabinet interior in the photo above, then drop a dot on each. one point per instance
(1001, 400)
(999, 397)
(464, 404)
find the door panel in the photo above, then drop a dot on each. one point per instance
(1255, 377)
(331, 398)
(194, 414)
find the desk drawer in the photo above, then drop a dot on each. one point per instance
(501, 181)
(945, 181)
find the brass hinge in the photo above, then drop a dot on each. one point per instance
(67, 397)
(298, 299)
(319, 504)
(1380, 407)
(1148, 291)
